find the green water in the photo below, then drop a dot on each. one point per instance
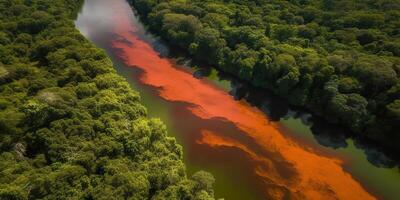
(382, 181)
(231, 168)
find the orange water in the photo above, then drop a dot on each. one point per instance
(287, 168)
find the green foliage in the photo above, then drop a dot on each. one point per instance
(283, 32)
(70, 127)
(394, 110)
(338, 58)
(180, 28)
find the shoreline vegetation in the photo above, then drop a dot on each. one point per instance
(70, 126)
(339, 59)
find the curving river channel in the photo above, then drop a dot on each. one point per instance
(252, 142)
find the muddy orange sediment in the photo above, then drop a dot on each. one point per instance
(315, 176)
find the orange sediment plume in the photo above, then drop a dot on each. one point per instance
(316, 177)
(312, 175)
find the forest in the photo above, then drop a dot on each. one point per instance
(70, 127)
(338, 58)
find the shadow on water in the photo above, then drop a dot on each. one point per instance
(366, 159)
(328, 135)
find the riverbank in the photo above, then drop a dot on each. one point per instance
(70, 126)
(218, 143)
(209, 122)
(334, 106)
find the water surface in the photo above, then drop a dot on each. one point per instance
(252, 142)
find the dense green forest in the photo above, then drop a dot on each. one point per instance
(338, 58)
(70, 127)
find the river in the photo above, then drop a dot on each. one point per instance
(254, 144)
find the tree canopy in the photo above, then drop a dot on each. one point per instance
(338, 58)
(70, 127)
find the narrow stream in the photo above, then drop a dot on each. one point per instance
(254, 144)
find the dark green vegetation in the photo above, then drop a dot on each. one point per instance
(70, 127)
(339, 58)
